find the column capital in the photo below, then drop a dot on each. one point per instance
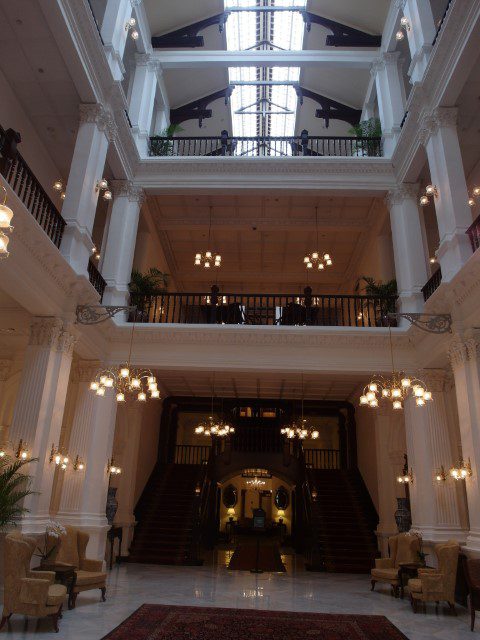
(460, 352)
(431, 122)
(435, 379)
(52, 333)
(135, 3)
(5, 368)
(96, 113)
(147, 60)
(86, 370)
(126, 189)
(402, 192)
(400, 4)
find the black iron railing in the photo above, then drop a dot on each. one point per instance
(432, 285)
(96, 279)
(95, 19)
(322, 458)
(265, 146)
(191, 454)
(473, 233)
(25, 184)
(264, 309)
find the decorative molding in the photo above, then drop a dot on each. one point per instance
(431, 122)
(51, 332)
(5, 368)
(435, 379)
(86, 370)
(473, 349)
(126, 189)
(96, 113)
(457, 353)
(405, 191)
(400, 4)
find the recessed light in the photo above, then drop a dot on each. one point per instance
(40, 70)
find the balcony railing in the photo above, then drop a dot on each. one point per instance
(473, 233)
(322, 458)
(265, 146)
(264, 309)
(432, 285)
(25, 184)
(96, 279)
(191, 454)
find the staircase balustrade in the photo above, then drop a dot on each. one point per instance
(473, 233)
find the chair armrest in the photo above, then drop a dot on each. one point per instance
(34, 591)
(432, 583)
(427, 572)
(49, 576)
(384, 563)
(91, 565)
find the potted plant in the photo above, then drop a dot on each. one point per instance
(371, 128)
(143, 287)
(14, 487)
(160, 144)
(53, 531)
(384, 302)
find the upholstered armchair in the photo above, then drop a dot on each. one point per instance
(404, 549)
(89, 574)
(472, 575)
(434, 585)
(29, 593)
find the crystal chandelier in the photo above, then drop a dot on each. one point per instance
(207, 258)
(127, 382)
(256, 483)
(316, 258)
(395, 389)
(213, 425)
(299, 428)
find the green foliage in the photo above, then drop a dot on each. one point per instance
(14, 487)
(367, 129)
(160, 144)
(380, 289)
(151, 283)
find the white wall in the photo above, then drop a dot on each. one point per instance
(367, 458)
(148, 449)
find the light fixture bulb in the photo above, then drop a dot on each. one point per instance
(370, 396)
(102, 184)
(396, 393)
(93, 386)
(424, 201)
(471, 202)
(132, 22)
(406, 382)
(120, 397)
(155, 393)
(420, 402)
(6, 215)
(135, 35)
(397, 405)
(135, 383)
(108, 382)
(58, 185)
(101, 391)
(374, 403)
(315, 255)
(363, 400)
(4, 240)
(107, 195)
(427, 395)
(399, 35)
(373, 386)
(63, 195)
(404, 21)
(430, 190)
(385, 393)
(476, 191)
(124, 372)
(142, 396)
(321, 266)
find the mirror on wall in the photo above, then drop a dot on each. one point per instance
(229, 496)
(282, 499)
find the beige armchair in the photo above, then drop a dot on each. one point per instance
(89, 574)
(404, 549)
(29, 593)
(434, 585)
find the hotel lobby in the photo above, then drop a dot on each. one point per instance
(240, 319)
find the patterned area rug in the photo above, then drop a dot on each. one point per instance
(158, 622)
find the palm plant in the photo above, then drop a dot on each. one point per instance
(384, 295)
(369, 129)
(14, 487)
(162, 143)
(144, 286)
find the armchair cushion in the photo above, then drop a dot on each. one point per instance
(384, 563)
(91, 565)
(34, 591)
(388, 575)
(86, 578)
(56, 594)
(48, 576)
(415, 585)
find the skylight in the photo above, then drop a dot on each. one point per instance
(264, 110)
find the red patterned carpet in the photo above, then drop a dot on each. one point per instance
(158, 622)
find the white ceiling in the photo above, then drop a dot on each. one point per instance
(263, 239)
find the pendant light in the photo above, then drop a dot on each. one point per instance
(209, 257)
(316, 259)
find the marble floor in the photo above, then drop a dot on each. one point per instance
(130, 585)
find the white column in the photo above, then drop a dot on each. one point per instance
(120, 245)
(465, 360)
(410, 264)
(420, 36)
(391, 98)
(96, 129)
(114, 34)
(5, 368)
(84, 493)
(38, 413)
(125, 449)
(142, 100)
(439, 135)
(435, 505)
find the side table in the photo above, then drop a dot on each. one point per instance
(406, 571)
(64, 574)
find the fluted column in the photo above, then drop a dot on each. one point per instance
(125, 449)
(5, 368)
(420, 35)
(410, 263)
(435, 505)
(142, 100)
(96, 129)
(465, 360)
(38, 413)
(120, 246)
(84, 493)
(391, 98)
(439, 135)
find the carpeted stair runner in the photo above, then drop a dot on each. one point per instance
(245, 557)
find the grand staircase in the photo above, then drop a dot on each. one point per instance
(165, 516)
(344, 521)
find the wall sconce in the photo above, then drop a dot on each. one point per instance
(102, 185)
(4, 448)
(60, 458)
(198, 489)
(407, 478)
(281, 515)
(441, 476)
(22, 450)
(78, 464)
(130, 26)
(314, 494)
(430, 191)
(6, 215)
(112, 468)
(462, 471)
(404, 28)
(231, 514)
(475, 193)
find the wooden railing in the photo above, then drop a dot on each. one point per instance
(191, 454)
(96, 279)
(322, 458)
(473, 233)
(266, 146)
(264, 309)
(432, 285)
(25, 184)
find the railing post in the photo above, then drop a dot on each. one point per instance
(304, 141)
(224, 142)
(9, 150)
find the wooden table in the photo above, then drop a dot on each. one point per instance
(406, 571)
(64, 574)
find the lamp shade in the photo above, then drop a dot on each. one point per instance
(6, 215)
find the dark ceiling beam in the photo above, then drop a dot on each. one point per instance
(188, 36)
(198, 108)
(342, 36)
(330, 109)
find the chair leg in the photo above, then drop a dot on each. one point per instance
(5, 618)
(104, 591)
(55, 618)
(452, 608)
(413, 602)
(472, 614)
(72, 600)
(374, 582)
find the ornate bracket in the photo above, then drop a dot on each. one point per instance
(94, 314)
(188, 36)
(330, 109)
(343, 36)
(198, 108)
(429, 322)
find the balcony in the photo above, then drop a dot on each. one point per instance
(96, 279)
(473, 233)
(265, 146)
(264, 309)
(432, 285)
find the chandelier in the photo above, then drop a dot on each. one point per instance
(395, 389)
(207, 258)
(213, 425)
(316, 258)
(127, 382)
(256, 483)
(6, 215)
(299, 428)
